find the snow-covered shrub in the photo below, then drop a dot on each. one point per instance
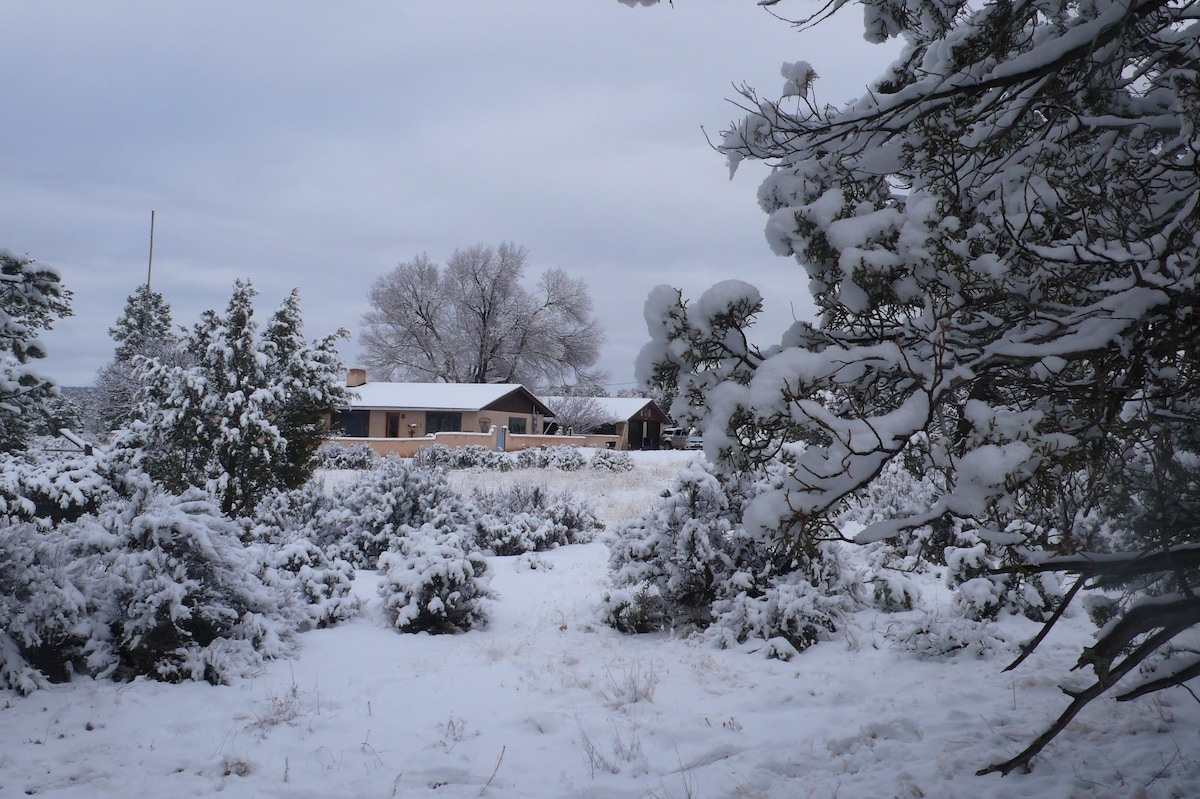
(931, 635)
(471, 456)
(899, 492)
(521, 519)
(566, 459)
(982, 596)
(434, 581)
(883, 580)
(293, 529)
(44, 621)
(791, 615)
(396, 496)
(434, 456)
(475, 456)
(563, 458)
(532, 561)
(324, 583)
(517, 533)
(356, 456)
(574, 515)
(895, 493)
(608, 460)
(690, 561)
(310, 512)
(978, 596)
(979, 599)
(891, 591)
(51, 491)
(183, 594)
(151, 585)
(683, 553)
(885, 569)
(640, 608)
(534, 458)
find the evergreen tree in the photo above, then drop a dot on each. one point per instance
(32, 297)
(144, 326)
(144, 329)
(245, 416)
(293, 364)
(1002, 239)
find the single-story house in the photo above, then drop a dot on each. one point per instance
(636, 422)
(416, 410)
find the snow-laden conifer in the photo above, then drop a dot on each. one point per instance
(52, 490)
(32, 297)
(1001, 238)
(246, 414)
(435, 580)
(149, 584)
(185, 596)
(689, 560)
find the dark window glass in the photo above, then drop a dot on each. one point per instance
(352, 424)
(392, 428)
(516, 424)
(443, 422)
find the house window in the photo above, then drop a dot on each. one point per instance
(516, 424)
(443, 422)
(352, 424)
(391, 428)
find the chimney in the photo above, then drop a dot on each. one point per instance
(356, 378)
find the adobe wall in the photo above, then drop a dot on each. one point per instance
(514, 442)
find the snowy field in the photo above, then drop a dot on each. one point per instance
(547, 702)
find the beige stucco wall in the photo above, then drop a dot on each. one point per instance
(518, 442)
(408, 447)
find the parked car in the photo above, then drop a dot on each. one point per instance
(695, 442)
(674, 438)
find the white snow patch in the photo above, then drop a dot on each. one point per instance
(546, 703)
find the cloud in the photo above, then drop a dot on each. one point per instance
(318, 145)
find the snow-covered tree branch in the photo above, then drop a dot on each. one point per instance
(1001, 238)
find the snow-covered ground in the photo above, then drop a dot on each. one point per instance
(548, 702)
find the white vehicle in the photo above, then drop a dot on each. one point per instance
(694, 442)
(673, 438)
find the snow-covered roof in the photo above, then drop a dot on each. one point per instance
(432, 396)
(616, 409)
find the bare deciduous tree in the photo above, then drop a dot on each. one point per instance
(473, 322)
(578, 413)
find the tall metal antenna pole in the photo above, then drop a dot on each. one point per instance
(150, 265)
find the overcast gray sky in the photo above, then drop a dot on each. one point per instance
(318, 145)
